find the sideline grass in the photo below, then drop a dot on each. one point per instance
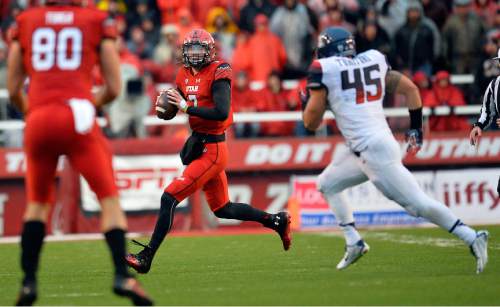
(404, 267)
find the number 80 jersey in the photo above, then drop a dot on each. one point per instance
(356, 89)
(60, 46)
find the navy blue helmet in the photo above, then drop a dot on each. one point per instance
(336, 41)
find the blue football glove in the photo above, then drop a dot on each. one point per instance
(414, 138)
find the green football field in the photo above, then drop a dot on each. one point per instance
(404, 267)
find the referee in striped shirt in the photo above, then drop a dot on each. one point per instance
(489, 111)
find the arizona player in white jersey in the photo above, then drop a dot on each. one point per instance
(353, 88)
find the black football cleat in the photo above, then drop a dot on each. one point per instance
(27, 295)
(129, 287)
(141, 262)
(281, 224)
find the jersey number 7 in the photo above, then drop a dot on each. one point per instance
(362, 94)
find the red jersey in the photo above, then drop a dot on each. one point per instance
(197, 89)
(60, 48)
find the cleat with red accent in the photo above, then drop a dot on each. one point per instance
(281, 225)
(129, 287)
(141, 262)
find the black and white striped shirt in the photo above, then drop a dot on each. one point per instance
(491, 104)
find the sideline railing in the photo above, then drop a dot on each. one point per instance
(472, 110)
(274, 116)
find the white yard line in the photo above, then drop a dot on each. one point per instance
(74, 294)
(376, 235)
(410, 239)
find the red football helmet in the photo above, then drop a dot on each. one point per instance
(198, 49)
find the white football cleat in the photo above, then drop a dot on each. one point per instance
(479, 248)
(353, 253)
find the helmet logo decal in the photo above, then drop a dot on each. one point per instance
(336, 41)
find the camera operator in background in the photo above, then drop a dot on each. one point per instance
(127, 112)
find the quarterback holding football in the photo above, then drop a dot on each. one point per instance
(203, 92)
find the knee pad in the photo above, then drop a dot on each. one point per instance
(226, 212)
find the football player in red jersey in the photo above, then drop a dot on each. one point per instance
(204, 93)
(57, 46)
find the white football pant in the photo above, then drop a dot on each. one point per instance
(380, 163)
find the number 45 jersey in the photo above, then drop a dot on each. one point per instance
(356, 89)
(60, 49)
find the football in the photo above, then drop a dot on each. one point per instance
(164, 109)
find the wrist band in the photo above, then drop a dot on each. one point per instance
(416, 118)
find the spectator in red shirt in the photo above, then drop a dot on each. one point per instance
(486, 9)
(426, 93)
(264, 51)
(170, 8)
(243, 100)
(4, 9)
(241, 53)
(185, 22)
(121, 25)
(274, 99)
(423, 84)
(446, 95)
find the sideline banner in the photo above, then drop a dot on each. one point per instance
(316, 153)
(470, 194)
(140, 181)
(290, 154)
(369, 205)
(259, 173)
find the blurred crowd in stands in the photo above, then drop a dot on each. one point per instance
(268, 41)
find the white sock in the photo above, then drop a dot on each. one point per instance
(343, 213)
(351, 235)
(464, 232)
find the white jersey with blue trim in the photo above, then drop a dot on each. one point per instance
(356, 90)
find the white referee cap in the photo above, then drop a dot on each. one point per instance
(498, 56)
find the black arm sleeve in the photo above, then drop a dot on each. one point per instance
(221, 94)
(315, 76)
